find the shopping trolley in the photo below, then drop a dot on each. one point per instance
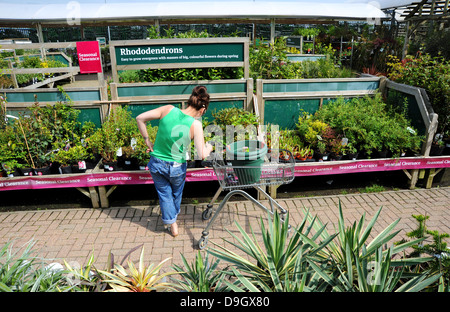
(278, 168)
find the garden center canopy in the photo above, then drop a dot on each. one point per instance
(65, 12)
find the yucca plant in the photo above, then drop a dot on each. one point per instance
(378, 273)
(143, 278)
(202, 276)
(280, 264)
(356, 236)
(352, 253)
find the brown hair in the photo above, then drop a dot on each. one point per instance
(199, 98)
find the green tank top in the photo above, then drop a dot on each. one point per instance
(173, 139)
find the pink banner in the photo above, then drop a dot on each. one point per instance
(95, 179)
(370, 165)
(207, 174)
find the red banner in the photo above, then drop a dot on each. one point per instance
(89, 58)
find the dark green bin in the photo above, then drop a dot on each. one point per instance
(247, 153)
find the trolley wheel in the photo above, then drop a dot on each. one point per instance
(207, 214)
(202, 242)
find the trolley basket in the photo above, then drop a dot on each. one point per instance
(276, 168)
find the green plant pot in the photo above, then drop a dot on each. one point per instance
(247, 153)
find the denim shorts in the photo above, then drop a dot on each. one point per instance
(169, 178)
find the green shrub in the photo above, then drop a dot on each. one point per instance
(369, 125)
(432, 74)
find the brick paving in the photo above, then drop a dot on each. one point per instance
(75, 234)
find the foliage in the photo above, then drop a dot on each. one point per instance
(269, 61)
(12, 153)
(72, 155)
(84, 278)
(141, 278)
(302, 31)
(311, 260)
(25, 273)
(115, 132)
(436, 44)
(369, 125)
(281, 264)
(35, 62)
(42, 128)
(436, 249)
(353, 256)
(140, 149)
(201, 276)
(241, 120)
(430, 73)
(323, 68)
(373, 50)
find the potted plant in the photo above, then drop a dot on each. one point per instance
(72, 159)
(11, 167)
(116, 132)
(350, 152)
(12, 154)
(106, 142)
(140, 148)
(303, 153)
(62, 158)
(128, 159)
(321, 153)
(437, 146)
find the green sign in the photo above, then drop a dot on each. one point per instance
(180, 53)
(293, 41)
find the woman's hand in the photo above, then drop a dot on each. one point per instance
(149, 145)
(208, 148)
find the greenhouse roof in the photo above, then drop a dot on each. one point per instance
(23, 12)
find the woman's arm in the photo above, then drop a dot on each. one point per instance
(145, 117)
(203, 149)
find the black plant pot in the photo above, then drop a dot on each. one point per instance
(43, 170)
(436, 150)
(353, 156)
(321, 157)
(80, 167)
(28, 171)
(110, 166)
(335, 157)
(381, 154)
(15, 173)
(130, 164)
(65, 169)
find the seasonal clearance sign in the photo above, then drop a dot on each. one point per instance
(207, 174)
(89, 57)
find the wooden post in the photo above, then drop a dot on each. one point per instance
(260, 100)
(406, 42)
(272, 31)
(429, 136)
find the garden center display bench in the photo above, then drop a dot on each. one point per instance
(282, 101)
(98, 184)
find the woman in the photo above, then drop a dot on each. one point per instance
(167, 163)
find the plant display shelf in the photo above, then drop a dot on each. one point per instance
(98, 185)
(79, 181)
